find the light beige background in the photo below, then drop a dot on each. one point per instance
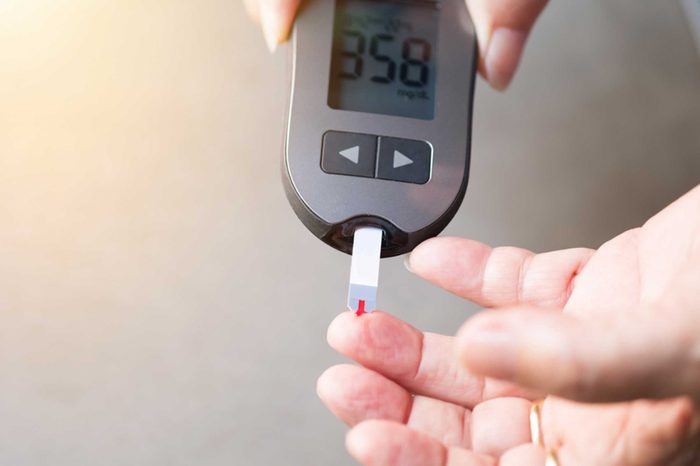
(159, 302)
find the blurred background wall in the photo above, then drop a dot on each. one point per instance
(160, 304)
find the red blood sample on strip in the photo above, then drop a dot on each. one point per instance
(361, 309)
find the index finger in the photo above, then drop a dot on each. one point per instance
(498, 277)
(423, 363)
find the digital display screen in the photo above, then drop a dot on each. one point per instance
(384, 57)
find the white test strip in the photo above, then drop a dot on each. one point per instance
(364, 271)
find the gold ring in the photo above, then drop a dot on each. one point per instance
(536, 423)
(538, 435)
(552, 459)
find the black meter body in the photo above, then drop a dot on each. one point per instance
(379, 127)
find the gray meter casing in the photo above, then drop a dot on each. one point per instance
(333, 206)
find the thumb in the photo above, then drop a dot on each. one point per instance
(620, 359)
(502, 27)
(276, 17)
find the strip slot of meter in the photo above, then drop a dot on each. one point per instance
(364, 271)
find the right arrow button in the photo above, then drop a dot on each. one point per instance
(404, 160)
(401, 160)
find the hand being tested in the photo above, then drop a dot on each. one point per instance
(502, 28)
(614, 325)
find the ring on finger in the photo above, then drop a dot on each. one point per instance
(538, 435)
(536, 423)
(552, 459)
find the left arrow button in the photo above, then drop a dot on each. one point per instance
(352, 154)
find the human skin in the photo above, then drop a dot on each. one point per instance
(502, 27)
(613, 335)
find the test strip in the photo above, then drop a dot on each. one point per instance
(364, 271)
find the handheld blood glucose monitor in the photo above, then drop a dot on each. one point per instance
(379, 126)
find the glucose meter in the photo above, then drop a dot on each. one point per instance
(379, 125)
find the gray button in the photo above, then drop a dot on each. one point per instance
(349, 154)
(404, 160)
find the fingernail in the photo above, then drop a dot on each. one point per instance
(488, 347)
(271, 25)
(407, 262)
(503, 56)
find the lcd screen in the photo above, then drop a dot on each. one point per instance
(384, 57)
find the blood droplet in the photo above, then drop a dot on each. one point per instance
(361, 308)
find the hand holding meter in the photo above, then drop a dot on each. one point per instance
(379, 126)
